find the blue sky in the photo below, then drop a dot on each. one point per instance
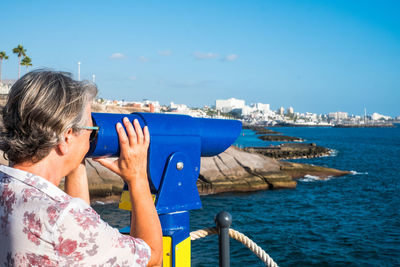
(317, 56)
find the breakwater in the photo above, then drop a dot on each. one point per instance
(280, 138)
(291, 151)
(240, 171)
(283, 149)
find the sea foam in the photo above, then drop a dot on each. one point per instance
(358, 173)
(313, 178)
(310, 178)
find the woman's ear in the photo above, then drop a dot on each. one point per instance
(63, 146)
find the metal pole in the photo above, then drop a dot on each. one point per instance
(223, 220)
(79, 71)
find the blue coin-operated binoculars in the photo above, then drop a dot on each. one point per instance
(176, 144)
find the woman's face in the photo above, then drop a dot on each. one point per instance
(81, 143)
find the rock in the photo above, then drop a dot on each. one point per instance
(266, 131)
(236, 170)
(299, 170)
(259, 129)
(253, 127)
(232, 170)
(291, 151)
(102, 182)
(279, 138)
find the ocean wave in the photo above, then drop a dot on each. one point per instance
(334, 153)
(331, 153)
(310, 178)
(358, 173)
(313, 178)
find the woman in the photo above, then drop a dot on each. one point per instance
(47, 127)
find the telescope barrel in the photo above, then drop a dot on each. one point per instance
(215, 135)
(169, 134)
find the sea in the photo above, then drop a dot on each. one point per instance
(353, 220)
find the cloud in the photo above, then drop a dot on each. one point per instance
(230, 57)
(117, 56)
(205, 55)
(132, 77)
(164, 52)
(144, 59)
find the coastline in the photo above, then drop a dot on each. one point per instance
(239, 171)
(231, 171)
(292, 151)
(234, 170)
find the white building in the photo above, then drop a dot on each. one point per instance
(229, 104)
(246, 110)
(197, 113)
(154, 105)
(281, 111)
(265, 108)
(148, 102)
(290, 110)
(5, 86)
(338, 115)
(178, 107)
(311, 116)
(377, 116)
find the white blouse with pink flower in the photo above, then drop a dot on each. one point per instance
(40, 225)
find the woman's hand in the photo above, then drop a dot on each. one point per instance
(132, 162)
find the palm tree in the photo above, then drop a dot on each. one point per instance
(26, 61)
(2, 56)
(20, 51)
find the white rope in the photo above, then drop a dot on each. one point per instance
(239, 237)
(203, 233)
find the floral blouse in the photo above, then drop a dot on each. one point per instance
(40, 225)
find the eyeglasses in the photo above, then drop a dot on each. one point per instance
(94, 130)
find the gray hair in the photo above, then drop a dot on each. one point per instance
(41, 106)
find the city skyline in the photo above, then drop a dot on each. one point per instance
(274, 108)
(317, 57)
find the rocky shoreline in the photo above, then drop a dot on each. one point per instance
(234, 170)
(260, 130)
(285, 150)
(280, 138)
(266, 134)
(291, 151)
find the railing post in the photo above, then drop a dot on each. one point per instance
(223, 220)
